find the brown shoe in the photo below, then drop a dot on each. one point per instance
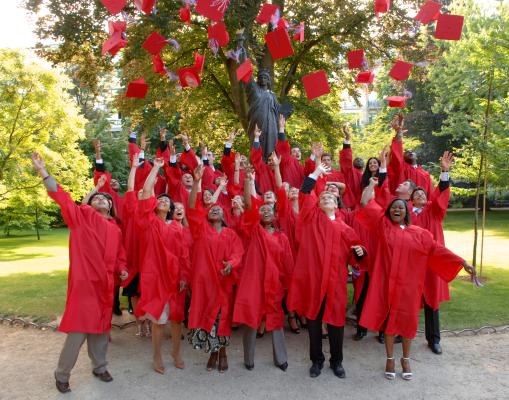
(223, 360)
(103, 376)
(211, 364)
(62, 387)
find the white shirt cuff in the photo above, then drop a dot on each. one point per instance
(444, 176)
(141, 155)
(382, 170)
(99, 161)
(312, 157)
(173, 159)
(346, 141)
(228, 145)
(132, 135)
(257, 140)
(188, 147)
(314, 176)
(205, 158)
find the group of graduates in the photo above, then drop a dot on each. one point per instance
(243, 244)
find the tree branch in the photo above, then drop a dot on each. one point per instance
(222, 89)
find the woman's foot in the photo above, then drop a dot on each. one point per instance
(223, 360)
(211, 364)
(158, 365)
(292, 322)
(178, 362)
(140, 332)
(407, 372)
(147, 329)
(303, 322)
(390, 373)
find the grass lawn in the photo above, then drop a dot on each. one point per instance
(33, 274)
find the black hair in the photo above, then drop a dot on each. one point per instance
(367, 173)
(169, 215)
(113, 214)
(417, 189)
(408, 221)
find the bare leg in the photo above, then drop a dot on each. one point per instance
(405, 361)
(157, 338)
(389, 349)
(176, 332)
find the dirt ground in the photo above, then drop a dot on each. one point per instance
(472, 367)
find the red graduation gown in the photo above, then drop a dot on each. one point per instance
(96, 255)
(291, 169)
(118, 201)
(211, 291)
(287, 219)
(431, 218)
(321, 264)
(396, 286)
(164, 262)
(353, 179)
(266, 271)
(130, 234)
(265, 178)
(399, 170)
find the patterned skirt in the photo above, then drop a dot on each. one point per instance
(208, 341)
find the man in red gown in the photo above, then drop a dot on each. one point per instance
(96, 254)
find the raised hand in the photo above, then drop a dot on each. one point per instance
(171, 147)
(446, 161)
(249, 173)
(281, 123)
(232, 136)
(223, 181)
(398, 122)
(322, 169)
(318, 151)
(97, 144)
(182, 286)
(358, 250)
(198, 172)
(136, 161)
(347, 131)
(203, 149)
(384, 154)
(275, 159)
(38, 163)
(184, 138)
(237, 160)
(373, 181)
(101, 182)
(159, 162)
(257, 132)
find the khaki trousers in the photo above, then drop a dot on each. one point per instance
(97, 345)
(278, 346)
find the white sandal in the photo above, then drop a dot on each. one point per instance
(390, 375)
(407, 376)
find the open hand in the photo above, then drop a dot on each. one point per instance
(322, 169)
(124, 275)
(227, 268)
(281, 123)
(446, 161)
(38, 162)
(198, 172)
(159, 162)
(358, 250)
(257, 132)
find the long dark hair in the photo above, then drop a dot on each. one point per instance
(169, 214)
(110, 200)
(367, 173)
(408, 221)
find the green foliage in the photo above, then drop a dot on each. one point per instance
(37, 115)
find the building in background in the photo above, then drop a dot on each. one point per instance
(363, 111)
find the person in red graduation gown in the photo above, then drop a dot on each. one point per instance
(430, 215)
(403, 165)
(291, 169)
(318, 289)
(179, 181)
(164, 269)
(216, 258)
(353, 175)
(264, 278)
(404, 253)
(233, 165)
(96, 257)
(265, 179)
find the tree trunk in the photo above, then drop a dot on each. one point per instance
(37, 222)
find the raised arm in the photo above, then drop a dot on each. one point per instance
(277, 171)
(100, 183)
(132, 173)
(223, 182)
(39, 165)
(248, 181)
(197, 175)
(148, 187)
(369, 191)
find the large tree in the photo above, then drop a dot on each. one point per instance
(333, 27)
(36, 115)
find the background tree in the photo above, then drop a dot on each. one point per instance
(36, 115)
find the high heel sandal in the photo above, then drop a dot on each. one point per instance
(293, 330)
(406, 375)
(148, 332)
(391, 375)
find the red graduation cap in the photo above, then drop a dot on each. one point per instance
(266, 12)
(400, 70)
(188, 77)
(365, 77)
(397, 101)
(154, 43)
(316, 84)
(279, 43)
(428, 12)
(212, 9)
(244, 71)
(114, 6)
(219, 33)
(449, 27)
(299, 32)
(355, 59)
(137, 89)
(199, 62)
(185, 14)
(158, 64)
(145, 6)
(382, 6)
(283, 23)
(116, 40)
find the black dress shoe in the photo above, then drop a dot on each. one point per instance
(397, 339)
(381, 338)
(62, 387)
(359, 335)
(103, 376)
(117, 311)
(249, 367)
(283, 367)
(339, 371)
(315, 370)
(435, 348)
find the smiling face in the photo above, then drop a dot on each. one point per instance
(101, 203)
(243, 161)
(373, 165)
(293, 194)
(419, 198)
(327, 203)
(397, 212)
(187, 179)
(163, 204)
(327, 160)
(296, 153)
(115, 185)
(331, 188)
(269, 198)
(207, 198)
(266, 215)
(215, 214)
(179, 213)
(237, 202)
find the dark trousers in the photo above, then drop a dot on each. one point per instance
(432, 324)
(360, 304)
(315, 340)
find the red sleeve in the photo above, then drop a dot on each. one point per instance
(164, 154)
(440, 203)
(121, 262)
(130, 203)
(309, 167)
(286, 261)
(282, 203)
(444, 262)
(236, 251)
(382, 195)
(307, 205)
(197, 220)
(345, 162)
(184, 258)
(145, 212)
(250, 218)
(141, 175)
(133, 150)
(228, 165)
(188, 158)
(71, 212)
(256, 159)
(233, 189)
(321, 183)
(174, 179)
(370, 216)
(207, 181)
(395, 168)
(106, 188)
